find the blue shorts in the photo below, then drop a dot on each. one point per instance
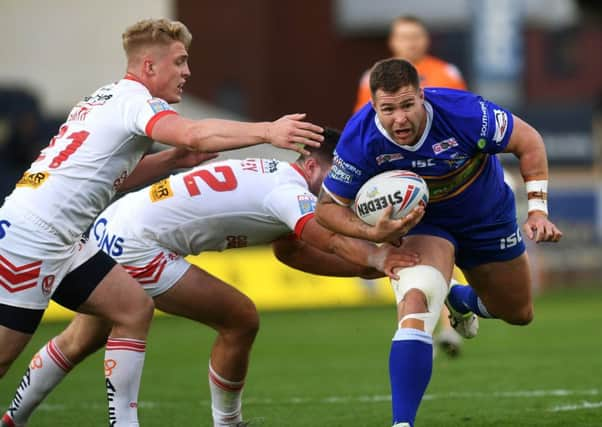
(481, 244)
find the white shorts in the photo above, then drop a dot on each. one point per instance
(33, 259)
(157, 269)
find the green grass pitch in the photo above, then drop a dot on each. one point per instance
(329, 368)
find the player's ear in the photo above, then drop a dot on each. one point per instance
(148, 67)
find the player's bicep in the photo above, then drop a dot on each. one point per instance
(172, 129)
(523, 138)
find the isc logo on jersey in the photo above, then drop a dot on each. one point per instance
(111, 245)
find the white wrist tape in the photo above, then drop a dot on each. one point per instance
(537, 195)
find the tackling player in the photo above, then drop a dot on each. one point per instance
(224, 205)
(74, 178)
(450, 138)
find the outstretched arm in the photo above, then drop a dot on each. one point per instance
(213, 135)
(384, 258)
(302, 256)
(528, 146)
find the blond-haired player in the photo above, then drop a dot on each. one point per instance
(93, 155)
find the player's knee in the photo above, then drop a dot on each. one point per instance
(244, 320)
(249, 318)
(522, 316)
(139, 311)
(422, 289)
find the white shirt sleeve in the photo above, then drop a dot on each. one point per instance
(141, 112)
(291, 204)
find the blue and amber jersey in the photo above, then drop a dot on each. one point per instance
(455, 155)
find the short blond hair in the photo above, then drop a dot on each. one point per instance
(150, 32)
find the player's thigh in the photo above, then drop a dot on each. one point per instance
(505, 288)
(199, 296)
(118, 298)
(435, 251)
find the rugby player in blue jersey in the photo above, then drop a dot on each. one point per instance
(450, 137)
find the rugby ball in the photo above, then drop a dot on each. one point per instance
(400, 188)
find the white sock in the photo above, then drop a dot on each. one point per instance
(226, 399)
(124, 359)
(45, 371)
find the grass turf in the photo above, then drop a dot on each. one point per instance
(329, 368)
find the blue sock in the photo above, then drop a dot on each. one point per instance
(464, 299)
(410, 368)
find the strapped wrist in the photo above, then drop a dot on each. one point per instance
(537, 195)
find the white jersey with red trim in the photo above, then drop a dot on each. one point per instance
(77, 175)
(226, 204)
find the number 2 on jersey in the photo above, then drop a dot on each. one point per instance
(228, 183)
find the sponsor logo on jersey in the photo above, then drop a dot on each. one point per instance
(338, 174)
(307, 203)
(15, 278)
(444, 145)
(78, 114)
(4, 224)
(97, 98)
(344, 166)
(33, 179)
(158, 105)
(386, 158)
(160, 190)
(501, 125)
(47, 283)
(236, 241)
(270, 166)
(110, 244)
(484, 118)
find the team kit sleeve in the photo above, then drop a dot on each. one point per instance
(351, 167)
(142, 112)
(495, 126)
(292, 205)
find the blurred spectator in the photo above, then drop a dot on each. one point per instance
(409, 39)
(22, 135)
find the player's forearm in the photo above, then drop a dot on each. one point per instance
(342, 220)
(307, 258)
(150, 168)
(218, 135)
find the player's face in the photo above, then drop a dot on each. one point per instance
(401, 113)
(171, 71)
(409, 41)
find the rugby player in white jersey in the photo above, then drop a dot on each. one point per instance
(227, 204)
(74, 178)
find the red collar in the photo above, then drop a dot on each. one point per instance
(298, 169)
(130, 76)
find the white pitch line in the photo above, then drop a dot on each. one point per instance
(582, 405)
(367, 399)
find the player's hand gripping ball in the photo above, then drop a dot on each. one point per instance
(402, 189)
